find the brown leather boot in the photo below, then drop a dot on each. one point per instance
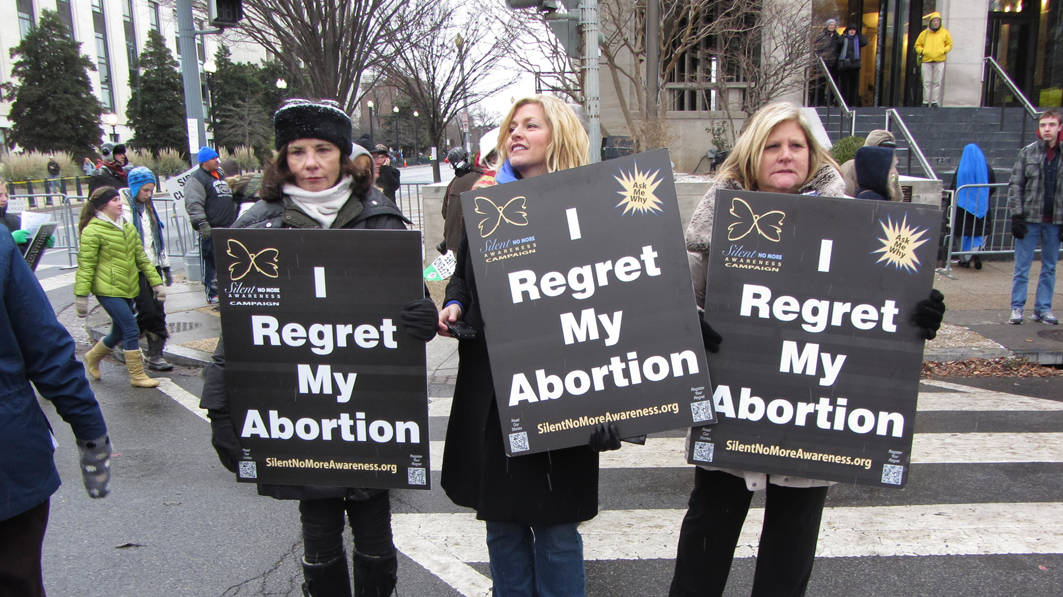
(93, 358)
(137, 378)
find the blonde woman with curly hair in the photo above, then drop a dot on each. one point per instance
(775, 153)
(531, 504)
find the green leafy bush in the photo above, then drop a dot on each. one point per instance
(845, 148)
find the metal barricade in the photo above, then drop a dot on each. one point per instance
(64, 209)
(996, 238)
(408, 198)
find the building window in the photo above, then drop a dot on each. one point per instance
(153, 16)
(130, 41)
(26, 22)
(103, 57)
(66, 15)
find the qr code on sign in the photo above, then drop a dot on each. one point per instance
(701, 411)
(248, 469)
(415, 476)
(518, 442)
(892, 474)
(703, 451)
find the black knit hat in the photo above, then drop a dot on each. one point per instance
(306, 119)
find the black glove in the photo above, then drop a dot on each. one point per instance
(420, 318)
(204, 230)
(604, 438)
(224, 439)
(96, 465)
(928, 314)
(167, 276)
(1018, 227)
(710, 337)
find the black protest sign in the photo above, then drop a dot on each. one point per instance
(589, 311)
(819, 369)
(324, 386)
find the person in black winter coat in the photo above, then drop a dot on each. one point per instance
(850, 50)
(532, 504)
(314, 183)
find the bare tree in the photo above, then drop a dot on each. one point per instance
(429, 70)
(706, 48)
(330, 46)
(539, 52)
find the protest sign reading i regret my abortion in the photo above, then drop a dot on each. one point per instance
(588, 309)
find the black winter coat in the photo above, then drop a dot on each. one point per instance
(545, 488)
(371, 212)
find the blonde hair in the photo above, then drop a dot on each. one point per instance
(743, 163)
(569, 144)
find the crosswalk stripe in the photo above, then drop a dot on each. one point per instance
(977, 401)
(181, 396)
(859, 531)
(50, 284)
(927, 448)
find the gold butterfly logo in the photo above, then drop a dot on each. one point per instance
(768, 224)
(263, 262)
(515, 211)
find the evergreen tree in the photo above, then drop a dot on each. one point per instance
(236, 96)
(53, 106)
(156, 109)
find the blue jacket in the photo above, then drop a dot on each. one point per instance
(35, 347)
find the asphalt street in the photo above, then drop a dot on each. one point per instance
(981, 514)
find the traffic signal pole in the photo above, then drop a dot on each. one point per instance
(186, 33)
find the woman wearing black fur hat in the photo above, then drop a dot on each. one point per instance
(314, 183)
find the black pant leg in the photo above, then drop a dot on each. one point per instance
(322, 522)
(717, 508)
(788, 540)
(21, 541)
(371, 524)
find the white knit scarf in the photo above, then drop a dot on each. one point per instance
(321, 205)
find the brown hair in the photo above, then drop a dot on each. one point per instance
(1051, 113)
(278, 174)
(88, 211)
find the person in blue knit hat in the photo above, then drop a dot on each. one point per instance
(209, 203)
(140, 212)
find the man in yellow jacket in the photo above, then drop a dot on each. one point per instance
(932, 46)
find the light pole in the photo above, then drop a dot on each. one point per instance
(111, 120)
(210, 68)
(395, 118)
(459, 41)
(416, 136)
(371, 144)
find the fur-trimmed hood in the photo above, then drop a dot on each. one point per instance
(826, 182)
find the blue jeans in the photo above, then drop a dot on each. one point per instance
(1048, 236)
(210, 278)
(123, 322)
(536, 560)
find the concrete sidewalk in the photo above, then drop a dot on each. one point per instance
(976, 323)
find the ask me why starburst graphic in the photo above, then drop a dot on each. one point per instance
(899, 245)
(637, 191)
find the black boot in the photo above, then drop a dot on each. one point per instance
(375, 576)
(327, 579)
(154, 359)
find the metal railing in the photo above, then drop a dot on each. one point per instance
(913, 148)
(1031, 111)
(844, 110)
(180, 239)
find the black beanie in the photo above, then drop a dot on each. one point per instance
(873, 169)
(305, 119)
